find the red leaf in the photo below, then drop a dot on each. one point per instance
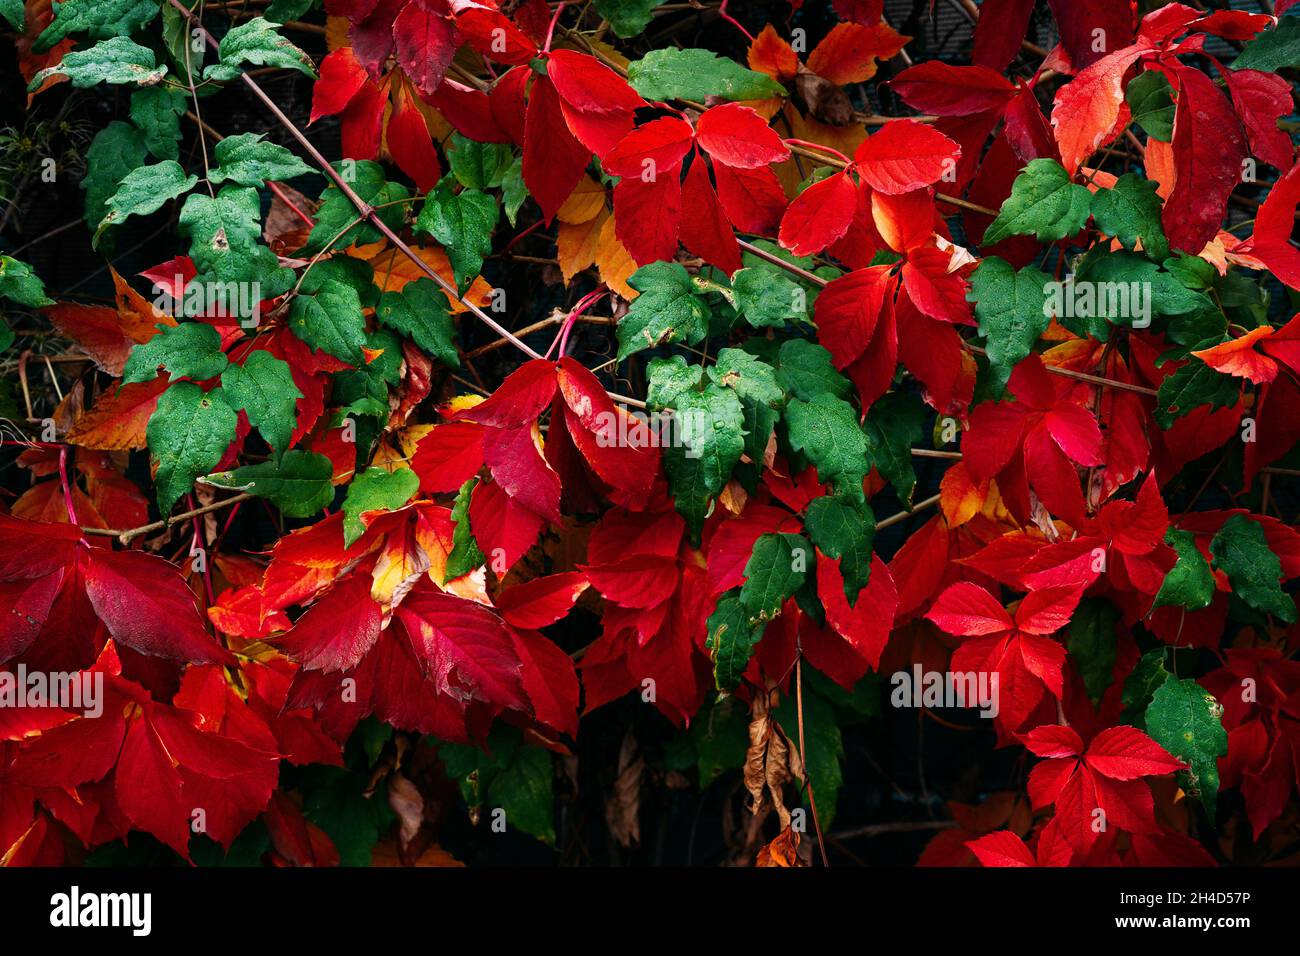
(448, 456)
(655, 149)
(541, 601)
(968, 610)
(518, 467)
(519, 400)
(736, 135)
(1047, 610)
(1261, 99)
(706, 231)
(1001, 848)
(554, 160)
(1088, 107)
(1125, 753)
(847, 311)
(753, 199)
(504, 528)
(550, 681)
(426, 42)
(337, 631)
(819, 215)
(867, 623)
(647, 216)
(145, 604)
(1208, 151)
(905, 155)
(937, 87)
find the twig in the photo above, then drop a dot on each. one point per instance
(126, 537)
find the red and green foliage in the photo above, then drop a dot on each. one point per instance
(589, 415)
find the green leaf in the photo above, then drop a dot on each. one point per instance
(116, 61)
(1193, 384)
(777, 567)
(249, 160)
(1188, 723)
(1141, 685)
(298, 483)
(12, 11)
(375, 489)
(1009, 307)
(225, 234)
(668, 379)
(337, 800)
(479, 165)
(709, 440)
(100, 19)
(668, 309)
(1130, 211)
(513, 189)
(282, 11)
(768, 299)
(116, 149)
(1190, 582)
(465, 553)
(1043, 202)
(144, 190)
(843, 528)
(509, 776)
(1150, 98)
(1272, 50)
(263, 388)
(20, 285)
(806, 371)
(893, 426)
(190, 349)
(256, 42)
(463, 223)
(761, 397)
(188, 434)
(627, 18)
(157, 111)
(731, 640)
(420, 312)
(1241, 550)
(336, 218)
(826, 430)
(328, 317)
(694, 74)
(1092, 644)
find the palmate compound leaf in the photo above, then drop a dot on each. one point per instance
(256, 42)
(188, 433)
(1188, 722)
(777, 567)
(145, 190)
(100, 19)
(826, 430)
(225, 243)
(670, 308)
(375, 490)
(188, 349)
(420, 312)
(1043, 202)
(248, 160)
(263, 389)
(298, 484)
(116, 61)
(1009, 307)
(731, 640)
(1241, 550)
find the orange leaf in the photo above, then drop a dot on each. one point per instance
(118, 420)
(849, 52)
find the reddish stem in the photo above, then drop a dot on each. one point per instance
(284, 198)
(585, 303)
(67, 486)
(722, 12)
(550, 31)
(820, 148)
